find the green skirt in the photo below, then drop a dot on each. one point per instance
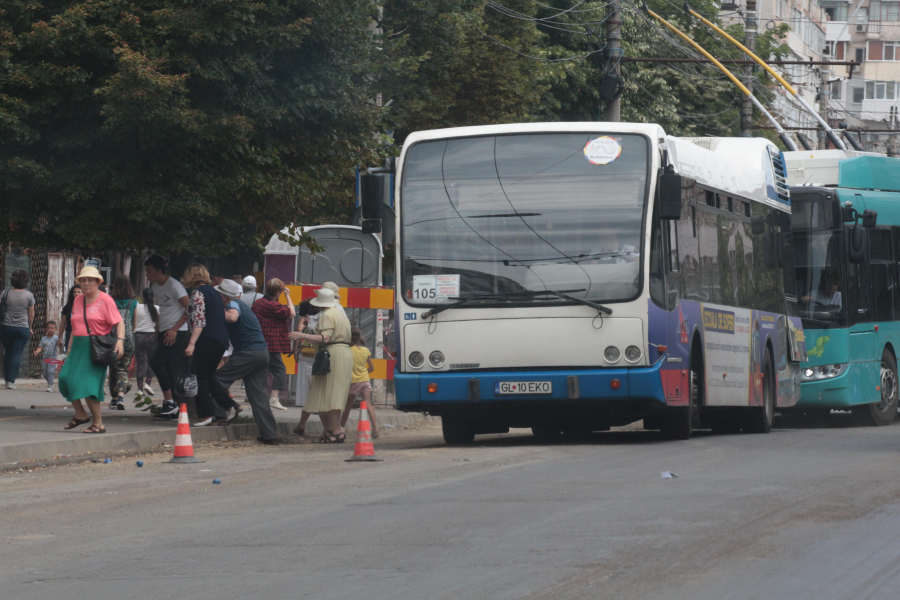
(80, 378)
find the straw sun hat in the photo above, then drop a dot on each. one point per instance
(89, 272)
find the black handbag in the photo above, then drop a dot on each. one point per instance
(3, 305)
(186, 384)
(103, 347)
(322, 361)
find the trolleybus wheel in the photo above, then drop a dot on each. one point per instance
(881, 413)
(457, 430)
(761, 417)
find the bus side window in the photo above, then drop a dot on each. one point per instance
(657, 265)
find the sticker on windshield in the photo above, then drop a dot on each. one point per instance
(602, 151)
(435, 288)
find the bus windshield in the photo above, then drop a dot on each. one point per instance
(517, 213)
(817, 256)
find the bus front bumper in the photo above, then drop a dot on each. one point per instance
(828, 393)
(473, 388)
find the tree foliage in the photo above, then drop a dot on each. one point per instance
(180, 125)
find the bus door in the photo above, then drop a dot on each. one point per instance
(861, 338)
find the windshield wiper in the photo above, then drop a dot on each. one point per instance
(527, 294)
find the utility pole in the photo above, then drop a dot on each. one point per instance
(824, 94)
(749, 41)
(614, 48)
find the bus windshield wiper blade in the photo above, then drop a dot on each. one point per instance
(566, 296)
(527, 294)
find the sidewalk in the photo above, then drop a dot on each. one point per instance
(32, 420)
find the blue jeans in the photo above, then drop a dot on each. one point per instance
(14, 340)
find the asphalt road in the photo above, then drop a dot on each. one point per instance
(799, 513)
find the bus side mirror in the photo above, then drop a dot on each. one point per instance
(870, 219)
(757, 225)
(770, 252)
(669, 186)
(856, 244)
(371, 195)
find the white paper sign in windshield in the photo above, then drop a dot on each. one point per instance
(435, 288)
(602, 150)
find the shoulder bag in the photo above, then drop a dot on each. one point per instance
(103, 347)
(3, 305)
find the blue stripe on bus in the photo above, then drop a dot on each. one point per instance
(594, 384)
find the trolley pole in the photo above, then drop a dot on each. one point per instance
(614, 47)
(749, 41)
(824, 93)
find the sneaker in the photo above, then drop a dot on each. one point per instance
(113, 403)
(10, 385)
(162, 417)
(148, 390)
(169, 408)
(120, 404)
(50, 389)
(205, 422)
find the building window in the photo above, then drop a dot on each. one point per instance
(889, 51)
(881, 90)
(858, 94)
(884, 11)
(860, 55)
(834, 11)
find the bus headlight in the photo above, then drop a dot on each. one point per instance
(824, 372)
(632, 354)
(416, 360)
(611, 354)
(436, 359)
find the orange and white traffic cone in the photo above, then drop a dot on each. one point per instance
(184, 447)
(365, 450)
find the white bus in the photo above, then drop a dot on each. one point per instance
(569, 277)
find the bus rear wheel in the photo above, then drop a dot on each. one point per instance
(761, 418)
(881, 413)
(457, 430)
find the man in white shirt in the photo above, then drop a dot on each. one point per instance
(172, 332)
(250, 294)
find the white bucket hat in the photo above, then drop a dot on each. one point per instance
(330, 285)
(250, 281)
(324, 298)
(230, 288)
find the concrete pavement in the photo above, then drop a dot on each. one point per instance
(32, 420)
(799, 513)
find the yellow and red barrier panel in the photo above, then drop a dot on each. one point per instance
(351, 297)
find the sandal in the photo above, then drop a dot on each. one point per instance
(329, 438)
(299, 430)
(76, 422)
(94, 429)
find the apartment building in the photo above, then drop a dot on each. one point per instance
(867, 32)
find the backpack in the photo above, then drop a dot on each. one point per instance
(128, 317)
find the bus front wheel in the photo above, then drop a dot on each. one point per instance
(457, 430)
(881, 413)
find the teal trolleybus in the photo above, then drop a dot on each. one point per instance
(846, 247)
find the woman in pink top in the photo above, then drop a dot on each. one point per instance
(81, 378)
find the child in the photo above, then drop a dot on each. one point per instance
(48, 347)
(362, 366)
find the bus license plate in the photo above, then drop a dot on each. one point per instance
(528, 388)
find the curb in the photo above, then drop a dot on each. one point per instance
(154, 438)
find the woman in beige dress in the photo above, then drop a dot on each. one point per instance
(328, 393)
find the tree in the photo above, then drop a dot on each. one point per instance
(180, 126)
(448, 67)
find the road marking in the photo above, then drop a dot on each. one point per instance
(11, 418)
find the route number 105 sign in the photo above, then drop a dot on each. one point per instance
(435, 288)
